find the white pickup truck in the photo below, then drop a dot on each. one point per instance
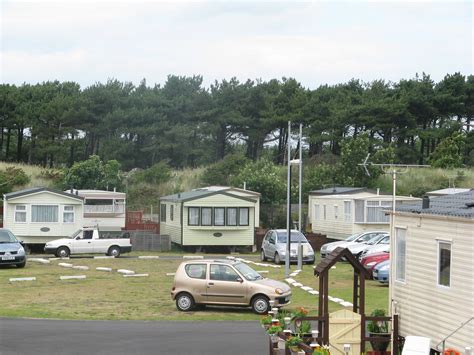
(88, 241)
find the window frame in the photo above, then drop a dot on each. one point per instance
(248, 216)
(72, 212)
(336, 211)
(45, 205)
(438, 262)
(163, 212)
(211, 223)
(347, 211)
(25, 212)
(401, 279)
(171, 212)
(197, 264)
(225, 266)
(236, 216)
(198, 216)
(214, 217)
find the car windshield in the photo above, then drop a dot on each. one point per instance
(375, 239)
(7, 237)
(385, 240)
(75, 234)
(295, 237)
(249, 273)
(352, 237)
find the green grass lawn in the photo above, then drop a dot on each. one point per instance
(105, 295)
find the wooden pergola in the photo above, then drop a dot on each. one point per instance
(322, 271)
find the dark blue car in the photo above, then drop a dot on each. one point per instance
(381, 271)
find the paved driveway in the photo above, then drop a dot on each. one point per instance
(38, 336)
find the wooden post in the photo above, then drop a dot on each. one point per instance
(355, 293)
(321, 303)
(396, 345)
(326, 309)
(362, 333)
(362, 311)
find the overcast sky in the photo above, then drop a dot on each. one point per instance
(315, 42)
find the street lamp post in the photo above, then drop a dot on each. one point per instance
(288, 206)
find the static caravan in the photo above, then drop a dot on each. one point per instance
(105, 209)
(38, 215)
(432, 271)
(214, 216)
(339, 212)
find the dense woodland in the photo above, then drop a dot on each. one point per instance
(55, 124)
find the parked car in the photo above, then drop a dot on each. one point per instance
(372, 260)
(381, 272)
(351, 240)
(383, 247)
(88, 241)
(360, 248)
(11, 250)
(274, 246)
(226, 282)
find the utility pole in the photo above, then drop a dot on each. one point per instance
(300, 182)
(288, 206)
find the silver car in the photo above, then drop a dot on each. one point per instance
(274, 246)
(11, 250)
(350, 242)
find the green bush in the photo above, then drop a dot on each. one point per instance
(11, 177)
(221, 173)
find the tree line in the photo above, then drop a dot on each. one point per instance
(55, 124)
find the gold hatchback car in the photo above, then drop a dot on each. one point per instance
(226, 282)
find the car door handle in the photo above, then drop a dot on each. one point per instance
(210, 284)
(88, 242)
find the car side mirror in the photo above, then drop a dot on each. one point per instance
(22, 243)
(239, 279)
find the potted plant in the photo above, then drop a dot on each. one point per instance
(273, 332)
(379, 329)
(321, 350)
(266, 321)
(292, 342)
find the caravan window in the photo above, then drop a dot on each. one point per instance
(20, 214)
(44, 213)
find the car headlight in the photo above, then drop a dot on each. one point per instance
(372, 263)
(384, 268)
(324, 247)
(279, 291)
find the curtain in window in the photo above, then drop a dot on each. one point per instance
(317, 214)
(347, 211)
(376, 214)
(20, 213)
(44, 213)
(206, 216)
(400, 253)
(243, 216)
(193, 216)
(232, 216)
(219, 216)
(359, 211)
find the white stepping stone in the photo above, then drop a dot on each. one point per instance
(39, 260)
(230, 257)
(314, 292)
(330, 298)
(79, 267)
(104, 257)
(170, 273)
(65, 265)
(298, 271)
(306, 288)
(72, 277)
(148, 257)
(15, 279)
(294, 274)
(125, 271)
(297, 284)
(193, 257)
(136, 275)
(290, 281)
(263, 272)
(346, 304)
(109, 269)
(337, 300)
(333, 267)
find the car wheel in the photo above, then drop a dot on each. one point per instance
(277, 258)
(184, 302)
(260, 304)
(22, 265)
(262, 256)
(114, 251)
(62, 252)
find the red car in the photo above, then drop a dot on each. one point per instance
(370, 261)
